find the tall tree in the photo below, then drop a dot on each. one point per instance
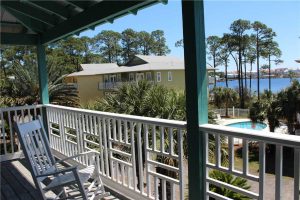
(160, 47)
(129, 41)
(250, 57)
(145, 42)
(225, 51)
(262, 34)
(238, 32)
(88, 55)
(213, 46)
(107, 43)
(271, 48)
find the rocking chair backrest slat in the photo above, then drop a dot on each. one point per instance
(35, 146)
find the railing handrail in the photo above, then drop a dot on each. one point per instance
(273, 138)
(147, 120)
(5, 109)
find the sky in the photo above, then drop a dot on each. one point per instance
(283, 16)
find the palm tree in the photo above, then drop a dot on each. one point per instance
(267, 107)
(225, 97)
(24, 87)
(289, 101)
(229, 179)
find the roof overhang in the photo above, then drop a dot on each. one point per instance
(31, 21)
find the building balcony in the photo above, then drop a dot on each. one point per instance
(145, 158)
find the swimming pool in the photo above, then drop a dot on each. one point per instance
(248, 125)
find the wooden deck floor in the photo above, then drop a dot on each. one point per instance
(17, 183)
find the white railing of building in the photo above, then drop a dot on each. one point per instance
(123, 143)
(9, 144)
(214, 133)
(109, 85)
(233, 112)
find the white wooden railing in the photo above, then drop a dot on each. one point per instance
(123, 142)
(216, 133)
(233, 112)
(142, 157)
(9, 143)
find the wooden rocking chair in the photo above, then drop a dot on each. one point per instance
(64, 183)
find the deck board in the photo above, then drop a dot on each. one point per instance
(16, 182)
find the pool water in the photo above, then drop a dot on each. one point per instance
(248, 125)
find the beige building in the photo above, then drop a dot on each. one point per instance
(97, 80)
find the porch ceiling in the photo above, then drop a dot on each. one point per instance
(24, 22)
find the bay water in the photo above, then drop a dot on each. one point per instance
(277, 84)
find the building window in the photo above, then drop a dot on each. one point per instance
(131, 77)
(118, 77)
(139, 76)
(148, 76)
(170, 77)
(113, 78)
(105, 78)
(158, 77)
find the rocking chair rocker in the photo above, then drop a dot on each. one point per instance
(64, 183)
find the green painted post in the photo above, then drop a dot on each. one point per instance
(43, 75)
(196, 94)
(43, 81)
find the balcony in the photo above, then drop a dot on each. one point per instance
(109, 85)
(145, 158)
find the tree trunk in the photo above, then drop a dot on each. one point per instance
(257, 64)
(269, 73)
(245, 71)
(215, 83)
(250, 78)
(226, 79)
(241, 79)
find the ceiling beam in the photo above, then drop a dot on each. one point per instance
(31, 12)
(29, 23)
(96, 14)
(52, 7)
(80, 4)
(18, 39)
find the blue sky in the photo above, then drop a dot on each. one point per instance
(282, 16)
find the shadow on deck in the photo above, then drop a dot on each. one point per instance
(16, 181)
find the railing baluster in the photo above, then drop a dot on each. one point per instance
(133, 154)
(100, 143)
(108, 128)
(164, 189)
(3, 133)
(126, 131)
(218, 150)
(140, 157)
(11, 133)
(245, 157)
(154, 137)
(262, 161)
(105, 146)
(231, 153)
(180, 160)
(278, 172)
(297, 174)
(162, 139)
(171, 142)
(147, 158)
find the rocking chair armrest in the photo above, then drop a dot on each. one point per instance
(64, 170)
(75, 156)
